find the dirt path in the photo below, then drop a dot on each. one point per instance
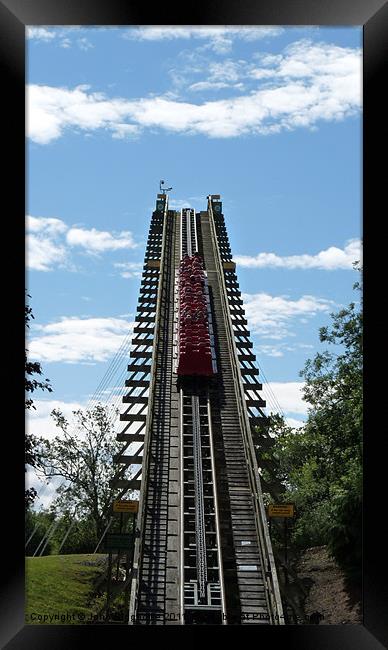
(329, 594)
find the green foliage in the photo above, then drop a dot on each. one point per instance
(345, 531)
(319, 467)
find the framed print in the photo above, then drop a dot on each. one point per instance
(229, 97)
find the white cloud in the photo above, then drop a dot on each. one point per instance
(43, 253)
(44, 248)
(121, 131)
(50, 225)
(65, 37)
(278, 350)
(228, 70)
(46, 492)
(269, 316)
(53, 109)
(65, 43)
(79, 340)
(287, 394)
(270, 350)
(331, 259)
(97, 241)
(40, 33)
(212, 85)
(178, 204)
(129, 269)
(330, 89)
(49, 239)
(39, 421)
(307, 59)
(220, 38)
(84, 44)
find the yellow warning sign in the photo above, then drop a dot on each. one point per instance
(125, 506)
(281, 510)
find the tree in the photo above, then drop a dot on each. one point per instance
(84, 460)
(31, 384)
(334, 390)
(320, 465)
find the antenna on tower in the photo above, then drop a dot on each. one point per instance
(163, 190)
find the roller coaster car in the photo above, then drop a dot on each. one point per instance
(194, 353)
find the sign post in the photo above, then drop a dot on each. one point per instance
(283, 511)
(129, 563)
(118, 553)
(285, 549)
(121, 543)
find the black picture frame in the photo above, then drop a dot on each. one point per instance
(14, 15)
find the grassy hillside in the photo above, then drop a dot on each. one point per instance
(60, 588)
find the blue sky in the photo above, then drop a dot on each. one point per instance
(270, 118)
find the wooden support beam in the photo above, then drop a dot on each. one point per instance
(247, 357)
(255, 403)
(255, 386)
(126, 484)
(146, 341)
(135, 399)
(127, 460)
(143, 330)
(139, 367)
(242, 345)
(133, 417)
(138, 354)
(249, 371)
(130, 437)
(138, 383)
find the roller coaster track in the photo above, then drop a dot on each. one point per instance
(203, 553)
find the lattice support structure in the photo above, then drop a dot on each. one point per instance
(137, 399)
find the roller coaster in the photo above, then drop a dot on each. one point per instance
(203, 554)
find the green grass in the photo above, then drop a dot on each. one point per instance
(60, 588)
